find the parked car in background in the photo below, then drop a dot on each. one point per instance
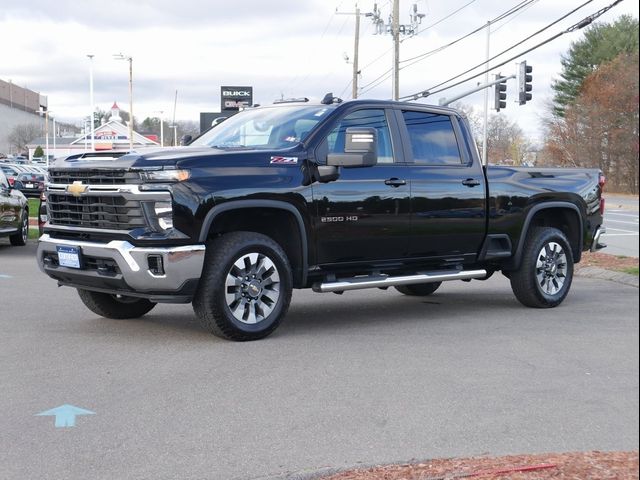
(11, 171)
(31, 183)
(14, 213)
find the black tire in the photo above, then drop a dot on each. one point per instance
(119, 307)
(245, 287)
(546, 272)
(19, 239)
(419, 289)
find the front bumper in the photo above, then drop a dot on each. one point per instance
(168, 274)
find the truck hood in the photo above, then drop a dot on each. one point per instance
(158, 158)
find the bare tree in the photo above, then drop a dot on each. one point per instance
(506, 143)
(21, 135)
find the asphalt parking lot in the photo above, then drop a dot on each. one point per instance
(621, 220)
(366, 377)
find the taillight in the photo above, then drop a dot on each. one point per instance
(11, 180)
(602, 180)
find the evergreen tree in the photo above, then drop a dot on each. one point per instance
(601, 44)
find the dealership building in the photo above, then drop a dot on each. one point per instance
(110, 136)
(18, 107)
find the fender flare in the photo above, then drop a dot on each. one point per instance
(517, 258)
(276, 204)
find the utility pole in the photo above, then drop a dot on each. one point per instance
(356, 47)
(354, 89)
(93, 108)
(486, 102)
(396, 29)
(395, 36)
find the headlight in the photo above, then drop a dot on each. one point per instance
(165, 175)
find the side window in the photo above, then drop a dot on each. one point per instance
(433, 141)
(364, 118)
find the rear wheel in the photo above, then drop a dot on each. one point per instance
(19, 239)
(545, 275)
(245, 288)
(118, 307)
(419, 289)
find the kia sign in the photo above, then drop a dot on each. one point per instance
(235, 98)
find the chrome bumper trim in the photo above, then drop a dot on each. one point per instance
(180, 263)
(596, 245)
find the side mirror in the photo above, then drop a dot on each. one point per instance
(360, 149)
(185, 140)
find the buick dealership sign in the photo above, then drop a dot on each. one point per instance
(235, 98)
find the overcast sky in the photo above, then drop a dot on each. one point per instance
(279, 47)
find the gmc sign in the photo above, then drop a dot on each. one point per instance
(234, 98)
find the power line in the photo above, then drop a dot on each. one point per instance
(512, 46)
(502, 16)
(515, 16)
(383, 54)
(581, 24)
(443, 19)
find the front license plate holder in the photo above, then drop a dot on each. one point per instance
(68, 256)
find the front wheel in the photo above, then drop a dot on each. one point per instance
(544, 277)
(118, 307)
(245, 288)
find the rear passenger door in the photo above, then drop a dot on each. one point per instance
(448, 190)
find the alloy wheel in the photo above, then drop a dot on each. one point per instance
(252, 288)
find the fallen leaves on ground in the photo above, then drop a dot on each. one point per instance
(594, 465)
(606, 261)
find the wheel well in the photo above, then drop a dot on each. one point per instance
(567, 221)
(278, 224)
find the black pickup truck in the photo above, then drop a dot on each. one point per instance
(332, 196)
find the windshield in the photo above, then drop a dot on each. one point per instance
(264, 128)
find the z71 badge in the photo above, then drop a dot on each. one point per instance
(284, 160)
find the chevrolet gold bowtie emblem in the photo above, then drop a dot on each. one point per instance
(76, 188)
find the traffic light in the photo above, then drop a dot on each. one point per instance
(524, 80)
(500, 94)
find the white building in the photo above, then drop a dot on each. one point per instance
(111, 136)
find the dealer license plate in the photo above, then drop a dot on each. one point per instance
(29, 185)
(68, 256)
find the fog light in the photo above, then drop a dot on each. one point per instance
(164, 213)
(156, 266)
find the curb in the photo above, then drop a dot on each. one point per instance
(601, 273)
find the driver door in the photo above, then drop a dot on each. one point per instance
(364, 215)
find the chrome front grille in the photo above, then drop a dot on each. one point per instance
(110, 212)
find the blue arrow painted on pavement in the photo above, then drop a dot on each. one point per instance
(66, 415)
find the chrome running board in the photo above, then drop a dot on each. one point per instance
(381, 281)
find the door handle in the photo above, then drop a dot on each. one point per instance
(471, 182)
(395, 182)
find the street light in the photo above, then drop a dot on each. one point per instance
(46, 133)
(91, 117)
(120, 56)
(161, 112)
(175, 134)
